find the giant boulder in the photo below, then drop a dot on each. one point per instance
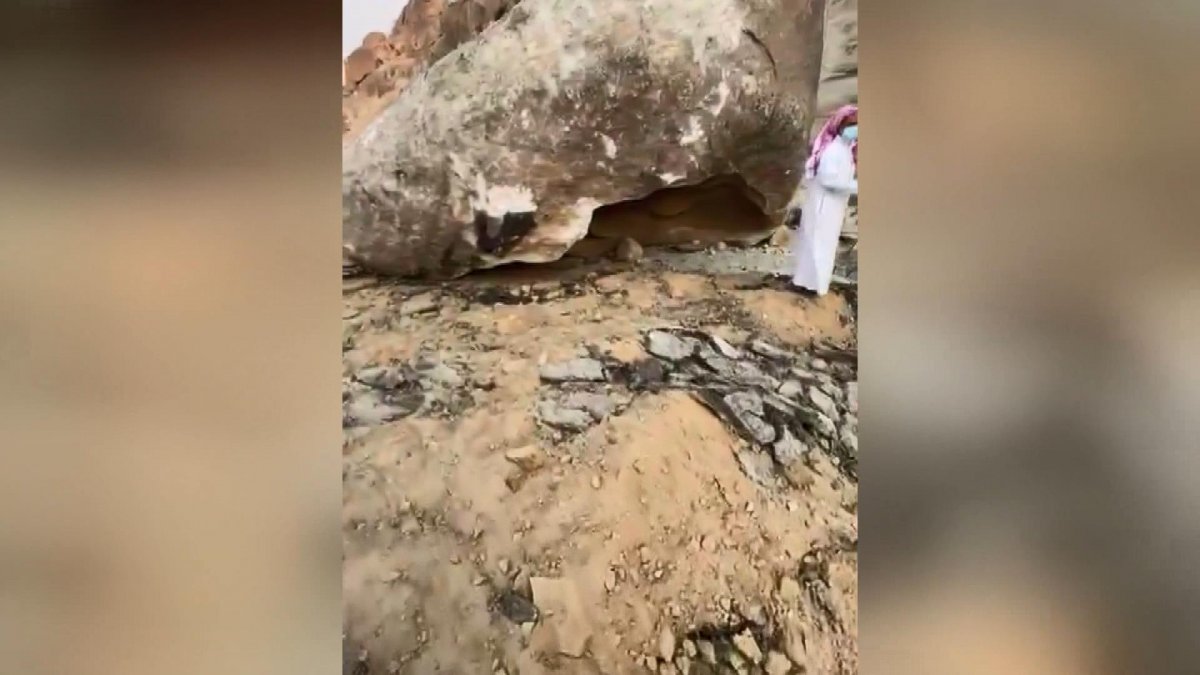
(505, 148)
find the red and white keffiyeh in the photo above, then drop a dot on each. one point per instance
(830, 131)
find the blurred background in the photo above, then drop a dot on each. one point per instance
(1030, 284)
(1029, 310)
(169, 284)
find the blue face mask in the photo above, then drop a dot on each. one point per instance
(850, 133)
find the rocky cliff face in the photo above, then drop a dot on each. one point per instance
(426, 30)
(839, 63)
(503, 150)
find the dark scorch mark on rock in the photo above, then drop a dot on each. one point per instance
(498, 235)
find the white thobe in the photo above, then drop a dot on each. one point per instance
(826, 198)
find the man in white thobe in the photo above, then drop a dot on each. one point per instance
(827, 197)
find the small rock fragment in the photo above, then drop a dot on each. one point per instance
(667, 346)
(849, 440)
(747, 645)
(759, 430)
(563, 617)
(748, 408)
(567, 419)
(792, 390)
(824, 403)
(758, 467)
(576, 370)
(528, 457)
(442, 374)
(373, 409)
(782, 238)
(515, 479)
(826, 382)
(516, 608)
(852, 397)
(788, 450)
(418, 304)
(666, 643)
(377, 376)
(789, 589)
(598, 406)
(745, 402)
(720, 365)
(675, 290)
(628, 250)
(769, 351)
(756, 613)
(646, 374)
(825, 426)
(707, 651)
(778, 664)
(724, 348)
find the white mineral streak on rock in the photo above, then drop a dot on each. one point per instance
(499, 200)
(694, 132)
(722, 97)
(610, 146)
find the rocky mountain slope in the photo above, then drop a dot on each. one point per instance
(426, 30)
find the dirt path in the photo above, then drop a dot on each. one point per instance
(528, 490)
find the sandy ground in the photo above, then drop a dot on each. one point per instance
(477, 540)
